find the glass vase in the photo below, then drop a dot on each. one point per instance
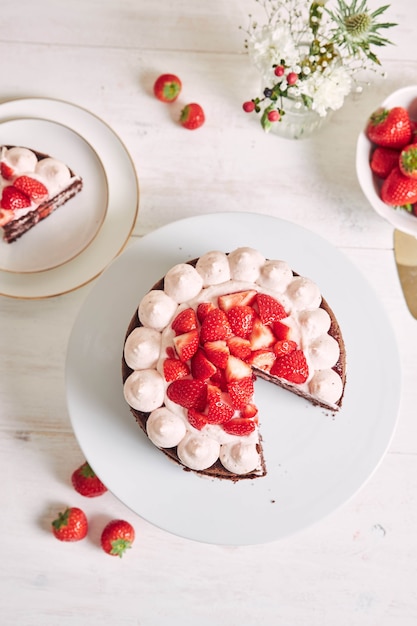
(298, 122)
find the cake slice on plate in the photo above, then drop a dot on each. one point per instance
(32, 186)
(199, 339)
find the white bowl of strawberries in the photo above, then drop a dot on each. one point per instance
(386, 159)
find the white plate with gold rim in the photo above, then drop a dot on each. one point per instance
(72, 227)
(122, 208)
(315, 460)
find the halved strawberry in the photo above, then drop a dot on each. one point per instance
(262, 359)
(186, 345)
(270, 310)
(189, 393)
(281, 330)
(197, 419)
(14, 199)
(250, 411)
(292, 367)
(239, 426)
(185, 321)
(32, 188)
(202, 309)
(241, 320)
(237, 369)
(174, 369)
(215, 326)
(240, 392)
(219, 379)
(239, 347)
(201, 367)
(6, 171)
(261, 336)
(217, 352)
(238, 298)
(219, 411)
(284, 346)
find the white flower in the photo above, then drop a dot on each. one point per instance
(328, 89)
(267, 47)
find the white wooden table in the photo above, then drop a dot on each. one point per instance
(356, 567)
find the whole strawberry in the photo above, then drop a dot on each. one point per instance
(399, 190)
(192, 116)
(71, 525)
(408, 160)
(389, 127)
(383, 161)
(167, 87)
(86, 482)
(117, 537)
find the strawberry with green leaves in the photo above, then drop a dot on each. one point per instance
(408, 160)
(167, 87)
(390, 128)
(71, 525)
(86, 482)
(192, 116)
(117, 537)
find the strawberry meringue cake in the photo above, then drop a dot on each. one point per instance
(203, 334)
(32, 186)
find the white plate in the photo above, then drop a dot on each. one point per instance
(315, 460)
(399, 218)
(123, 197)
(67, 231)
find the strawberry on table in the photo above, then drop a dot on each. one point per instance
(399, 190)
(383, 161)
(86, 482)
(167, 87)
(71, 525)
(117, 537)
(192, 116)
(389, 127)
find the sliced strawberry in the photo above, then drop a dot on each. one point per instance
(191, 394)
(219, 379)
(201, 367)
(250, 411)
(197, 419)
(240, 392)
(239, 347)
(184, 322)
(270, 310)
(14, 199)
(281, 330)
(219, 411)
(292, 367)
(186, 345)
(237, 369)
(239, 298)
(202, 310)
(239, 426)
(215, 326)
(217, 352)
(174, 369)
(6, 171)
(32, 188)
(262, 336)
(284, 346)
(262, 359)
(241, 320)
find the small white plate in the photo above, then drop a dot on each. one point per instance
(122, 209)
(315, 461)
(399, 218)
(70, 229)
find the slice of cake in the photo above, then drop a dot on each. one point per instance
(199, 339)
(32, 186)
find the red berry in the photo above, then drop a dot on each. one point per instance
(117, 537)
(86, 482)
(14, 199)
(279, 70)
(192, 116)
(71, 525)
(273, 116)
(292, 78)
(248, 106)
